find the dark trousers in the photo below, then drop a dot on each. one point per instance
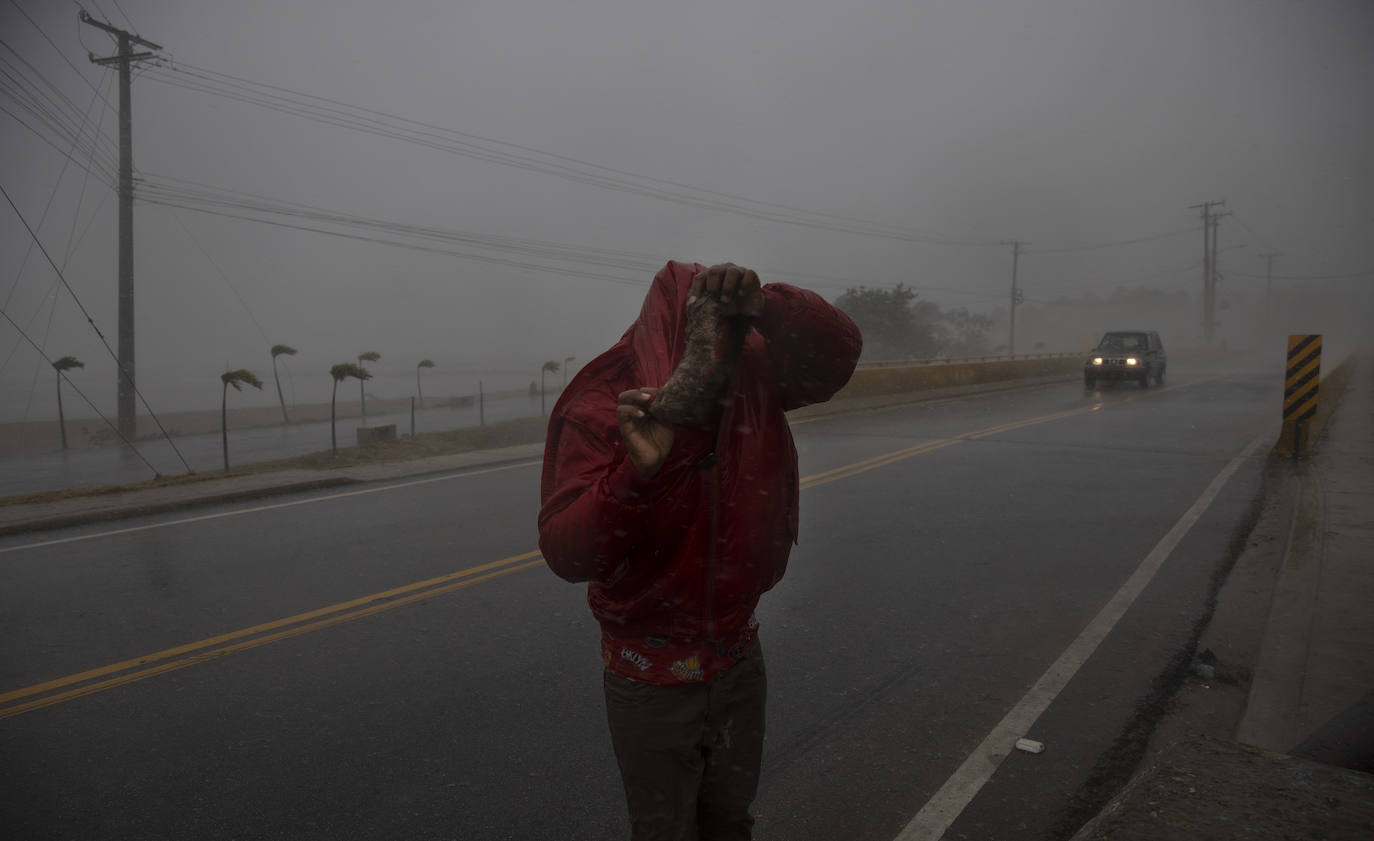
(689, 755)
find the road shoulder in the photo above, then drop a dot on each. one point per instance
(1280, 668)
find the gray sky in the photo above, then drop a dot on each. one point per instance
(963, 124)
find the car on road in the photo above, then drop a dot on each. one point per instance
(1134, 355)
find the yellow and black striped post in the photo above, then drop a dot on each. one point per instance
(1300, 387)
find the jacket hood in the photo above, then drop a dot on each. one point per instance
(649, 350)
(662, 316)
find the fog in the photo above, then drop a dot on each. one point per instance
(827, 145)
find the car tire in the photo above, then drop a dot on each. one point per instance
(1145, 380)
(1159, 378)
(1089, 383)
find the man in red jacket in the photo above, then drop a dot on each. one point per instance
(679, 530)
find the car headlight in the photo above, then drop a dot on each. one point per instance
(1097, 360)
(1131, 361)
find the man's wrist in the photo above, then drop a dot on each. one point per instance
(631, 487)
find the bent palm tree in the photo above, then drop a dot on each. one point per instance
(66, 363)
(424, 363)
(233, 378)
(278, 350)
(339, 373)
(370, 356)
(550, 367)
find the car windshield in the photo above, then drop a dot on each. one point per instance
(1124, 342)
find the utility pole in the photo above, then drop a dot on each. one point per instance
(1268, 285)
(126, 55)
(1209, 266)
(1016, 296)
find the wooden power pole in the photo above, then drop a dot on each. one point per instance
(1016, 296)
(1268, 287)
(125, 57)
(1209, 266)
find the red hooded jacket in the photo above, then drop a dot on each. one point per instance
(686, 555)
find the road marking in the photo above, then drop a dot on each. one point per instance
(252, 637)
(939, 401)
(949, 802)
(848, 470)
(255, 509)
(258, 629)
(205, 650)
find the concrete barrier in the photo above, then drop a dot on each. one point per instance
(872, 382)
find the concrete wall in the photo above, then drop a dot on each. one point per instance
(872, 382)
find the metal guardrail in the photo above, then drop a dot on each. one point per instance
(944, 360)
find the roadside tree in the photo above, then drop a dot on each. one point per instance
(66, 363)
(340, 372)
(278, 350)
(424, 363)
(370, 356)
(237, 379)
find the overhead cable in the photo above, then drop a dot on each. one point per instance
(126, 374)
(63, 375)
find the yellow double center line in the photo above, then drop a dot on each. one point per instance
(128, 671)
(40, 695)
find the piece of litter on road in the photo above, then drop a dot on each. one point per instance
(1030, 746)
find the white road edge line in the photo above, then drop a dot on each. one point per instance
(949, 802)
(255, 509)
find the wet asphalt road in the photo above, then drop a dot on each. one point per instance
(925, 596)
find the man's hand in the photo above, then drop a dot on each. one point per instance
(736, 288)
(647, 440)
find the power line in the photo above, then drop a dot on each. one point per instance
(72, 242)
(1262, 241)
(56, 283)
(164, 190)
(46, 139)
(132, 28)
(254, 207)
(64, 376)
(223, 275)
(1351, 276)
(58, 49)
(42, 114)
(411, 246)
(91, 321)
(62, 98)
(43, 218)
(1102, 246)
(337, 113)
(69, 158)
(443, 132)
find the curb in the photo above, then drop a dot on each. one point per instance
(61, 521)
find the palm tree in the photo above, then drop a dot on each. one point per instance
(424, 363)
(278, 350)
(339, 372)
(233, 378)
(550, 367)
(370, 356)
(66, 363)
